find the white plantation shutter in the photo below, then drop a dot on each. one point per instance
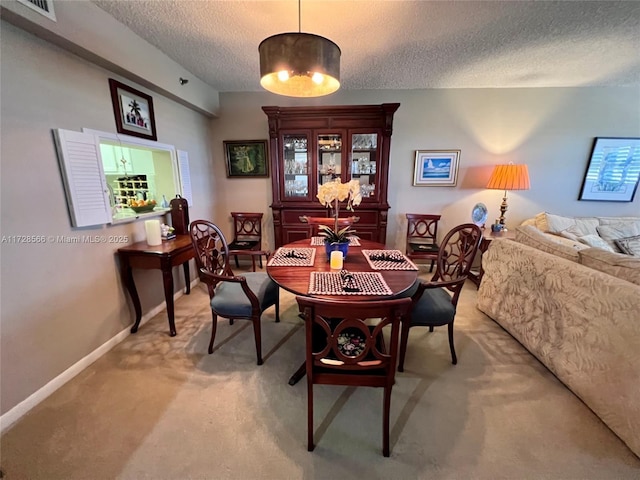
(185, 176)
(84, 180)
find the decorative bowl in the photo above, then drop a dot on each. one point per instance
(146, 208)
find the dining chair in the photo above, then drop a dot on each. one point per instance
(315, 222)
(433, 303)
(422, 237)
(232, 296)
(247, 237)
(341, 349)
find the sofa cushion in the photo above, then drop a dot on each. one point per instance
(629, 245)
(548, 222)
(597, 242)
(613, 231)
(624, 267)
(530, 235)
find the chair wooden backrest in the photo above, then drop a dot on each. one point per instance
(315, 222)
(342, 349)
(455, 257)
(212, 253)
(247, 227)
(422, 229)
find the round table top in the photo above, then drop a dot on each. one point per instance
(296, 279)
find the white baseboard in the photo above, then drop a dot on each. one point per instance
(13, 415)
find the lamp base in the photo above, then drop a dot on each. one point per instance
(503, 210)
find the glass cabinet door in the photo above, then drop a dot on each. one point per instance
(364, 158)
(296, 165)
(329, 157)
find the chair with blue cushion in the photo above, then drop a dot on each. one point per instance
(434, 302)
(242, 297)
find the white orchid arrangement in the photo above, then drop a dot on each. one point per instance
(332, 193)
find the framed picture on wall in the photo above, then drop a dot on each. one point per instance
(133, 111)
(613, 170)
(246, 158)
(436, 168)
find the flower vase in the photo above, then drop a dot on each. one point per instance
(330, 247)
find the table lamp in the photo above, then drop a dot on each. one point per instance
(508, 177)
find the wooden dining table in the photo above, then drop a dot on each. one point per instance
(297, 279)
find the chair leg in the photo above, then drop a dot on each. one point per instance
(431, 267)
(404, 338)
(214, 327)
(278, 307)
(454, 359)
(258, 337)
(385, 420)
(310, 445)
(253, 263)
(431, 328)
(260, 260)
(236, 259)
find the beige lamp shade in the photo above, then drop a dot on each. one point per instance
(509, 177)
(299, 65)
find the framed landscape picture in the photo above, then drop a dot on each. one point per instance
(436, 168)
(246, 158)
(133, 111)
(613, 170)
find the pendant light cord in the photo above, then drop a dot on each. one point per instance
(299, 17)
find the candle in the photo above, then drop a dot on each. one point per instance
(154, 235)
(336, 260)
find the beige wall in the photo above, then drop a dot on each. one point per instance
(549, 129)
(59, 302)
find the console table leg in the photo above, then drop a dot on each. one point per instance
(127, 278)
(187, 277)
(167, 277)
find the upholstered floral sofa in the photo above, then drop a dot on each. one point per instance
(577, 309)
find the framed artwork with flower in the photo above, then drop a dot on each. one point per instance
(133, 111)
(436, 168)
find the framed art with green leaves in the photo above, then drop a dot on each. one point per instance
(246, 158)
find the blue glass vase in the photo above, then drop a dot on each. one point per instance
(330, 247)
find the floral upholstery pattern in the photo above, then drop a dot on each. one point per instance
(583, 324)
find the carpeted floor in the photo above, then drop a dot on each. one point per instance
(160, 408)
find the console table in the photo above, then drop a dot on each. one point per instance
(164, 257)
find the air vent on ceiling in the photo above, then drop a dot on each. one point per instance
(44, 7)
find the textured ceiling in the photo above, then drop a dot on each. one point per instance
(403, 44)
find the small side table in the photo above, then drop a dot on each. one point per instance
(164, 257)
(487, 238)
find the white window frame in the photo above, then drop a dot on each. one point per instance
(90, 160)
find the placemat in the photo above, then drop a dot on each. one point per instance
(363, 283)
(317, 241)
(293, 257)
(388, 260)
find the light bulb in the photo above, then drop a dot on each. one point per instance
(283, 75)
(317, 78)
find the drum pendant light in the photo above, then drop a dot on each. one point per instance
(299, 64)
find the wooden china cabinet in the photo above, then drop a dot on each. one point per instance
(310, 146)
